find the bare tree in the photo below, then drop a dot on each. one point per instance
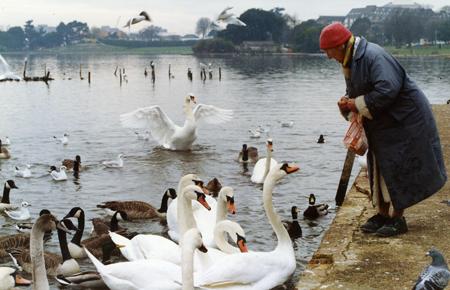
(203, 25)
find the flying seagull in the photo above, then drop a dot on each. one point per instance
(224, 19)
(143, 16)
(434, 276)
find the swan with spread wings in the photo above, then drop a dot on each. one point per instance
(166, 132)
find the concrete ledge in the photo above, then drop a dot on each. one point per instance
(350, 259)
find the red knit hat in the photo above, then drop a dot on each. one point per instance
(334, 35)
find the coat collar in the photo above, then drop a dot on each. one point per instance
(361, 49)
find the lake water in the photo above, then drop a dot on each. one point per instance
(261, 90)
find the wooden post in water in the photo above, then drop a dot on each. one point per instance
(115, 71)
(81, 74)
(89, 77)
(45, 69)
(220, 73)
(25, 69)
(120, 73)
(170, 74)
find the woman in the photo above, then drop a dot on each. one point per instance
(405, 159)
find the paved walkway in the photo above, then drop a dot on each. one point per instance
(350, 259)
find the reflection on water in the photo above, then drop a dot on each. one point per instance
(262, 90)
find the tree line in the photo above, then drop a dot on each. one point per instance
(403, 26)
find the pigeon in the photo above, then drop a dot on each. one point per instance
(434, 276)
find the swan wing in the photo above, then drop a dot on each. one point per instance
(212, 114)
(224, 15)
(172, 220)
(259, 169)
(162, 128)
(157, 247)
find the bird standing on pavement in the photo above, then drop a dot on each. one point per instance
(436, 275)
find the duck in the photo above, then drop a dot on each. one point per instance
(9, 279)
(154, 274)
(58, 175)
(117, 163)
(140, 209)
(4, 153)
(166, 132)
(248, 154)
(321, 139)
(172, 210)
(293, 227)
(254, 269)
(5, 202)
(214, 186)
(54, 264)
(64, 140)
(24, 173)
(263, 166)
(254, 134)
(143, 16)
(157, 247)
(315, 210)
(21, 213)
(74, 165)
(100, 227)
(288, 124)
(85, 279)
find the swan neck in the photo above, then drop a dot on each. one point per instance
(221, 210)
(274, 219)
(5, 197)
(268, 160)
(185, 216)
(38, 271)
(164, 202)
(63, 245)
(222, 242)
(187, 108)
(187, 273)
(79, 233)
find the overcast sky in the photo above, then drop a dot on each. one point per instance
(177, 16)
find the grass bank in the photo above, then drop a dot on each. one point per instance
(99, 48)
(420, 51)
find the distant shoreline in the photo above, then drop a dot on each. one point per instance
(98, 48)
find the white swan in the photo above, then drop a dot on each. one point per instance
(171, 216)
(9, 278)
(24, 173)
(21, 213)
(260, 270)
(157, 247)
(117, 163)
(263, 165)
(153, 274)
(143, 16)
(170, 135)
(207, 220)
(5, 202)
(58, 175)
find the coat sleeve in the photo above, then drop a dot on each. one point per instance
(386, 77)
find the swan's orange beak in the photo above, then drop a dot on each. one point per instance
(242, 246)
(20, 281)
(201, 199)
(292, 168)
(231, 207)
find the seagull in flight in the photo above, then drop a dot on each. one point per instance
(224, 19)
(143, 16)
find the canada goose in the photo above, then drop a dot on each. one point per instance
(9, 279)
(101, 227)
(54, 263)
(95, 245)
(214, 187)
(140, 209)
(248, 154)
(71, 164)
(288, 124)
(315, 210)
(4, 153)
(5, 203)
(293, 227)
